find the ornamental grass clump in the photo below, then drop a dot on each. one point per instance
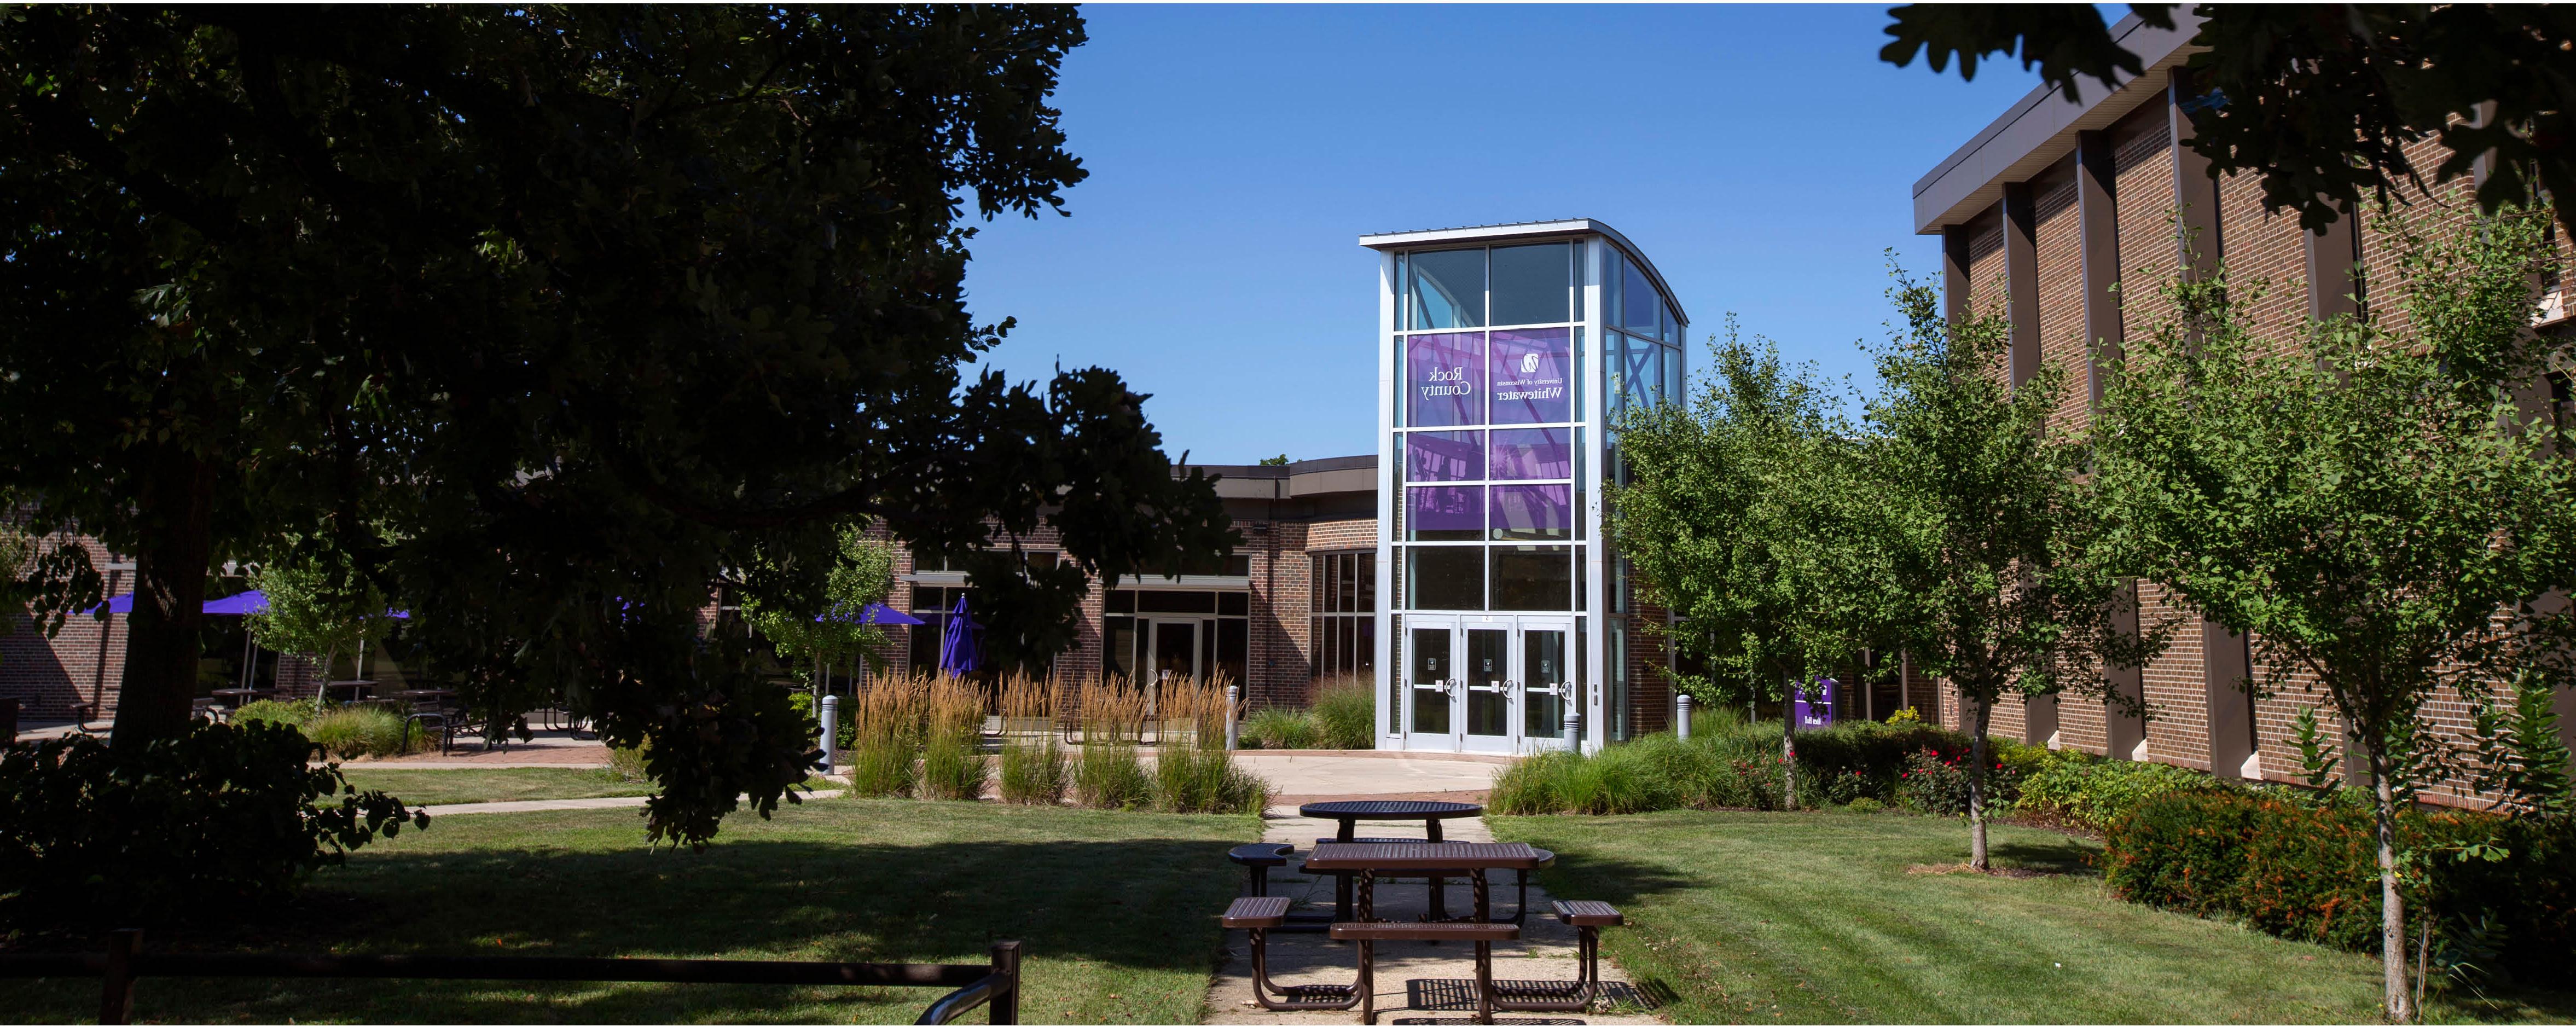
(1108, 775)
(362, 730)
(1034, 769)
(1281, 727)
(1193, 771)
(953, 765)
(885, 735)
(1346, 713)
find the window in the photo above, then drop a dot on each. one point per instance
(1533, 577)
(1533, 454)
(1639, 306)
(1533, 512)
(1444, 380)
(1175, 632)
(1447, 289)
(1444, 456)
(1532, 375)
(1445, 577)
(1342, 635)
(1445, 513)
(933, 563)
(1533, 284)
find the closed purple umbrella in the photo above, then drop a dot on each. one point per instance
(961, 642)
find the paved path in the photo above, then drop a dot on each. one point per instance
(1417, 981)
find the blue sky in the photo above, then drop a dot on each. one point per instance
(1761, 156)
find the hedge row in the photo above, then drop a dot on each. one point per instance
(2308, 870)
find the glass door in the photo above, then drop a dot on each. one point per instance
(1545, 669)
(1430, 672)
(1172, 649)
(1486, 698)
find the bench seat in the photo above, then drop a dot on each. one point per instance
(1255, 913)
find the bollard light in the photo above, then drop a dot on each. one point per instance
(831, 732)
(1573, 731)
(1233, 698)
(1681, 702)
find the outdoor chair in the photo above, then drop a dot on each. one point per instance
(1483, 935)
(1587, 918)
(210, 710)
(1257, 916)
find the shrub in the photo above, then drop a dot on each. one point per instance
(1346, 713)
(628, 762)
(885, 735)
(1534, 786)
(2090, 792)
(293, 714)
(207, 822)
(1865, 805)
(1281, 727)
(2308, 870)
(363, 730)
(1937, 783)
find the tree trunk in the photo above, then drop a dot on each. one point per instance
(176, 501)
(2392, 905)
(1977, 786)
(1789, 752)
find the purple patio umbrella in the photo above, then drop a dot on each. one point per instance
(961, 642)
(875, 614)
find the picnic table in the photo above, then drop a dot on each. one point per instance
(347, 690)
(1435, 859)
(1350, 813)
(234, 697)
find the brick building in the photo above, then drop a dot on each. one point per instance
(2065, 217)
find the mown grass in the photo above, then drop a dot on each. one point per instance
(469, 786)
(1116, 909)
(1848, 917)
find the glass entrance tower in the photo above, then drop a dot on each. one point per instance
(1504, 352)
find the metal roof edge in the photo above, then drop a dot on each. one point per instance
(2033, 133)
(1529, 229)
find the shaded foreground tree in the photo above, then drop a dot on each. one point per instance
(1745, 514)
(2320, 100)
(545, 321)
(1995, 588)
(2369, 503)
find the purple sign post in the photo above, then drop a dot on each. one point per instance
(1815, 708)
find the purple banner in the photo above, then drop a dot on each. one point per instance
(1533, 511)
(1444, 377)
(1448, 513)
(1815, 708)
(1533, 376)
(1444, 456)
(1526, 454)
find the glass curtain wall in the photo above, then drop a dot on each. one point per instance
(1489, 427)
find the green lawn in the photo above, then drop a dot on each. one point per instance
(1117, 911)
(1832, 917)
(466, 786)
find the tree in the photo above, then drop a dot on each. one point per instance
(1741, 517)
(2365, 500)
(862, 572)
(2320, 100)
(549, 320)
(1988, 527)
(316, 613)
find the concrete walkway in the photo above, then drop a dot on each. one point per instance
(1417, 981)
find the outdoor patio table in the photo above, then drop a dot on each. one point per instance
(1470, 859)
(348, 690)
(1350, 813)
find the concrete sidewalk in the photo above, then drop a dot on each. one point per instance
(1417, 981)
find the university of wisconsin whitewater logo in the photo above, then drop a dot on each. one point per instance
(1529, 363)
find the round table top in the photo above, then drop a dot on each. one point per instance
(1389, 810)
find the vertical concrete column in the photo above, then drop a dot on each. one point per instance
(2098, 222)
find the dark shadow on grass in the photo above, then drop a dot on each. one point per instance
(1137, 904)
(2049, 858)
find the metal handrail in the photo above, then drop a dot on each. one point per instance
(995, 985)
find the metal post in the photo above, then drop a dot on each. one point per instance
(1573, 730)
(831, 732)
(116, 982)
(1233, 732)
(1005, 1005)
(1681, 722)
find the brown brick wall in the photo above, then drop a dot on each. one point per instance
(2060, 248)
(2265, 253)
(83, 663)
(1988, 288)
